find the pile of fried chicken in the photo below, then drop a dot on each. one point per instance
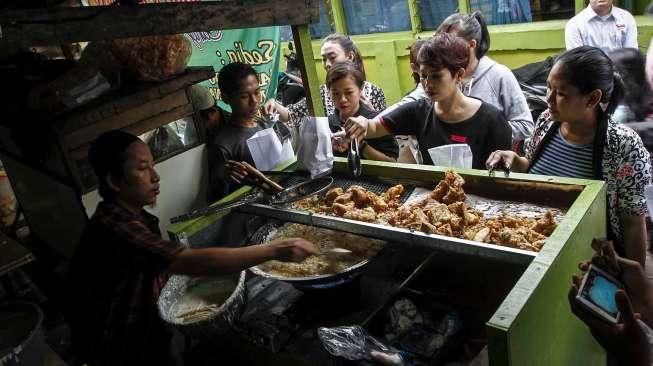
(443, 211)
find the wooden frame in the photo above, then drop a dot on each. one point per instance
(42, 27)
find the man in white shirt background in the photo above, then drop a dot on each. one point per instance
(601, 25)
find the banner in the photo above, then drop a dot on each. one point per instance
(258, 47)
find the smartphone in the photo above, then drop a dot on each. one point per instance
(597, 292)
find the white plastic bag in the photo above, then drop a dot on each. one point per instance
(314, 152)
(267, 151)
(453, 156)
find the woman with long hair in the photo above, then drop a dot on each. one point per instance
(576, 137)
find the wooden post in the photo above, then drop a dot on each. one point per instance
(464, 6)
(302, 40)
(338, 16)
(415, 20)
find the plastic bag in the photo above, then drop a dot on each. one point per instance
(164, 141)
(454, 156)
(267, 150)
(314, 152)
(351, 342)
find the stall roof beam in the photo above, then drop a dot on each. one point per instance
(53, 26)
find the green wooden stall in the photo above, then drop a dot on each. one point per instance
(533, 325)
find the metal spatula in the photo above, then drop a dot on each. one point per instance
(354, 159)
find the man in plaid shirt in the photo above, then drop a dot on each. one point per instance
(122, 261)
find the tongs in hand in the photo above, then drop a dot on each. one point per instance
(257, 179)
(354, 159)
(499, 165)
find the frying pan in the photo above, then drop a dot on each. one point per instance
(310, 282)
(291, 194)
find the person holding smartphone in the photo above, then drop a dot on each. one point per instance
(628, 340)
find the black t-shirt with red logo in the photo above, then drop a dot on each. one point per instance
(486, 131)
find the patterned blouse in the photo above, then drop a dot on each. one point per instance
(625, 164)
(300, 109)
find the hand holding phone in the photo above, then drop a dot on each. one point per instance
(597, 294)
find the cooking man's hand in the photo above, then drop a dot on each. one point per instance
(293, 249)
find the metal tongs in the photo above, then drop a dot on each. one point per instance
(255, 178)
(500, 165)
(273, 194)
(354, 159)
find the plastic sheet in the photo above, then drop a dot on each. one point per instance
(351, 342)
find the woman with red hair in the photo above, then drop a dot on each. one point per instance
(446, 116)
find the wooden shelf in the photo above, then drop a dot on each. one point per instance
(55, 26)
(130, 96)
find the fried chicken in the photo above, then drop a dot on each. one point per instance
(443, 212)
(332, 194)
(546, 224)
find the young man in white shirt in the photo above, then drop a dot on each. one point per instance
(601, 25)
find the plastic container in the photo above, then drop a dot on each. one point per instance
(22, 341)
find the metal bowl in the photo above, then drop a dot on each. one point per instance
(310, 282)
(220, 319)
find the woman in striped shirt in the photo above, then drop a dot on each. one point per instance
(576, 137)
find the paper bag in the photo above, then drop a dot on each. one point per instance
(314, 152)
(267, 151)
(454, 156)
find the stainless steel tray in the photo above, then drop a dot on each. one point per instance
(396, 235)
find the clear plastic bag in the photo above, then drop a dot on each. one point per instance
(453, 156)
(351, 342)
(314, 153)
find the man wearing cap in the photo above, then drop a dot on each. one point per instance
(204, 102)
(122, 261)
(601, 25)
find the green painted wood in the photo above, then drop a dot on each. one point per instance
(415, 19)
(464, 6)
(338, 16)
(304, 47)
(534, 324)
(579, 5)
(513, 45)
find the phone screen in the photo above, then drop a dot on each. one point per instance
(600, 291)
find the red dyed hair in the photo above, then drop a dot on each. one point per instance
(444, 50)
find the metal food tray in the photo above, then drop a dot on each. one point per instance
(391, 234)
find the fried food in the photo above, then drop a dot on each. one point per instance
(443, 212)
(361, 249)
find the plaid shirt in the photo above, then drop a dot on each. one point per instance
(118, 273)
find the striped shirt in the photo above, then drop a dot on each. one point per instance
(564, 159)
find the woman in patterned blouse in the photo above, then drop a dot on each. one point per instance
(336, 47)
(576, 137)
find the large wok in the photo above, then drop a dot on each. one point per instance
(312, 282)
